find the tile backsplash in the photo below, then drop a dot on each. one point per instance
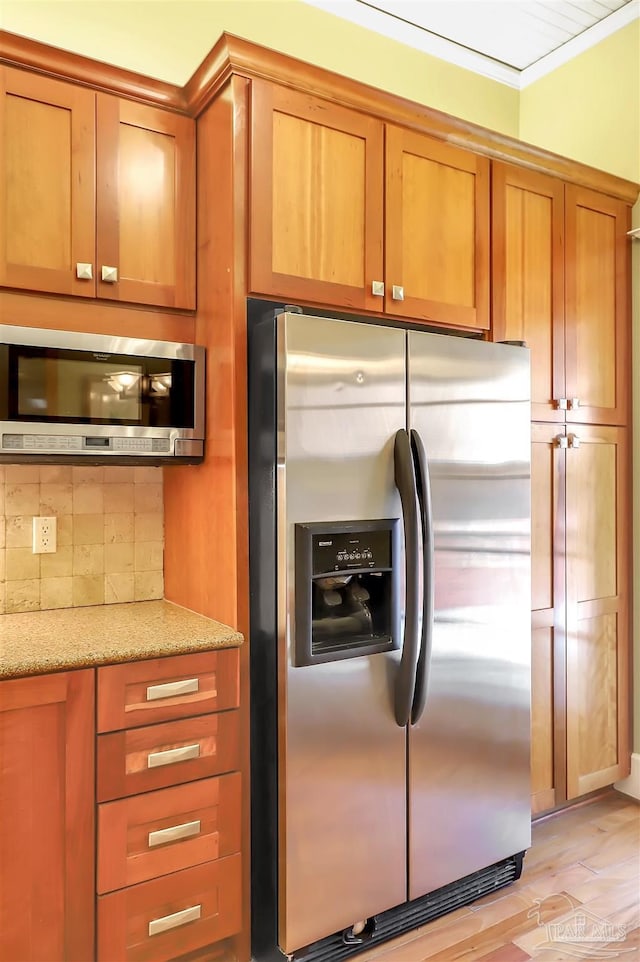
(110, 536)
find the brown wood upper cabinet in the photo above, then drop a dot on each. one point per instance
(560, 283)
(354, 213)
(108, 208)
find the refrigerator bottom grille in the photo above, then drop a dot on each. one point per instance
(410, 915)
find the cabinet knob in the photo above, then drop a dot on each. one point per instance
(397, 292)
(170, 756)
(377, 288)
(574, 441)
(560, 441)
(192, 914)
(574, 402)
(562, 404)
(84, 272)
(109, 274)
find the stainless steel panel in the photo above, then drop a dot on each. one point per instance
(342, 790)
(469, 753)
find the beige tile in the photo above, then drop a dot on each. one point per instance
(118, 588)
(2, 490)
(65, 529)
(148, 556)
(148, 498)
(2, 565)
(118, 528)
(21, 499)
(88, 590)
(149, 527)
(19, 532)
(2, 594)
(87, 498)
(148, 585)
(56, 593)
(22, 474)
(22, 596)
(88, 559)
(21, 564)
(87, 475)
(147, 475)
(118, 498)
(118, 475)
(2, 473)
(88, 529)
(119, 557)
(3, 530)
(56, 499)
(55, 474)
(57, 565)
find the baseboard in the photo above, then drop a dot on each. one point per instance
(631, 785)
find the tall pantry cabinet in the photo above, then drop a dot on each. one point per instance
(560, 271)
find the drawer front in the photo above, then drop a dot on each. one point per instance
(149, 835)
(171, 916)
(142, 759)
(146, 692)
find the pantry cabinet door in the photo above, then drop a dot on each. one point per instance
(528, 277)
(598, 565)
(145, 204)
(47, 184)
(548, 616)
(316, 200)
(437, 231)
(598, 345)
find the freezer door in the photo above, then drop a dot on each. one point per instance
(341, 756)
(469, 752)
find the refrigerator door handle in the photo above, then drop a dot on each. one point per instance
(405, 479)
(424, 500)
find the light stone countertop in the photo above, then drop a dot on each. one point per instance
(37, 642)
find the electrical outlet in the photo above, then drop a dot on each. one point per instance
(44, 535)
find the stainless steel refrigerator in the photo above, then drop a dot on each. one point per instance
(390, 627)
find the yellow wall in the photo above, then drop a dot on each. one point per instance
(169, 39)
(589, 109)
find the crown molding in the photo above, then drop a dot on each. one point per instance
(17, 51)
(584, 41)
(412, 36)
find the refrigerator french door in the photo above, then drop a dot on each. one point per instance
(390, 594)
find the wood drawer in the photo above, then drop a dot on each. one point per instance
(200, 822)
(207, 894)
(145, 692)
(142, 759)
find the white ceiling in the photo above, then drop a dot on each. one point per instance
(514, 41)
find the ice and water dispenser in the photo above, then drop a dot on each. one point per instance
(346, 590)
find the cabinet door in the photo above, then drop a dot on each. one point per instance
(598, 562)
(47, 184)
(547, 619)
(145, 204)
(598, 346)
(46, 818)
(316, 200)
(528, 277)
(437, 231)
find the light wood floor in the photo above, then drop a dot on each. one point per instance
(582, 874)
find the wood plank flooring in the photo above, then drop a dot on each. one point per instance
(578, 898)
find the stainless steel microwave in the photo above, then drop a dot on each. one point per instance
(66, 396)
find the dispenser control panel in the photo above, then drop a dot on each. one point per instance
(345, 551)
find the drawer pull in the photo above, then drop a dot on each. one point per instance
(173, 755)
(173, 688)
(173, 921)
(175, 832)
